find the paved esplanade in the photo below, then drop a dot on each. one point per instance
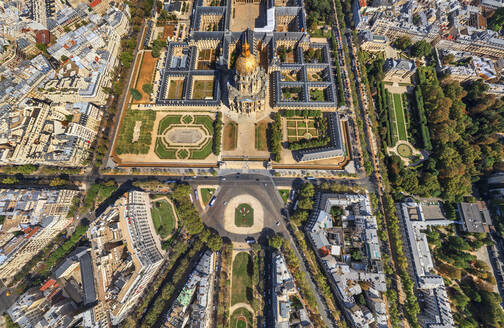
(258, 187)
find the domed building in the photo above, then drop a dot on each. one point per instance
(247, 93)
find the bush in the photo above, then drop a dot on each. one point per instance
(147, 88)
(135, 94)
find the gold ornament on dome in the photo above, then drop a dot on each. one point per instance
(247, 63)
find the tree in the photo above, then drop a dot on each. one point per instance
(126, 58)
(402, 43)
(307, 191)
(276, 241)
(356, 255)
(147, 88)
(135, 94)
(421, 48)
(63, 58)
(10, 180)
(57, 182)
(214, 242)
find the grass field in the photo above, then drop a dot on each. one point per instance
(163, 218)
(230, 136)
(124, 144)
(399, 115)
(206, 194)
(317, 94)
(261, 142)
(241, 318)
(244, 215)
(284, 193)
(241, 291)
(203, 89)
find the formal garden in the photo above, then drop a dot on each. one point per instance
(244, 215)
(241, 318)
(185, 137)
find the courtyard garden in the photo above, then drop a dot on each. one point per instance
(317, 94)
(163, 217)
(185, 137)
(305, 129)
(241, 288)
(313, 55)
(292, 93)
(286, 55)
(290, 76)
(203, 89)
(244, 215)
(206, 59)
(175, 89)
(135, 132)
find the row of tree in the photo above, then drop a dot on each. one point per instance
(217, 134)
(275, 137)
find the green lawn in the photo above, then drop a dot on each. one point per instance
(284, 193)
(169, 153)
(244, 215)
(241, 291)
(207, 194)
(241, 318)
(317, 95)
(163, 218)
(203, 152)
(167, 121)
(399, 113)
(164, 153)
(124, 142)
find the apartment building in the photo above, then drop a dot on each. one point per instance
(436, 305)
(33, 218)
(344, 235)
(126, 256)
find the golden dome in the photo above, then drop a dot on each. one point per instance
(246, 63)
